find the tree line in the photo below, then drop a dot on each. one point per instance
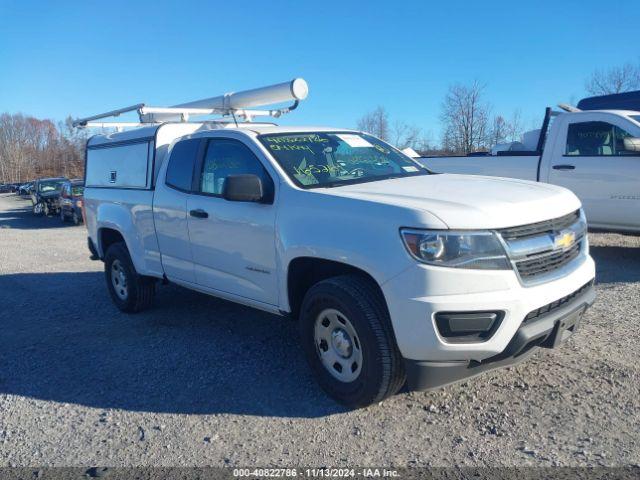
(32, 148)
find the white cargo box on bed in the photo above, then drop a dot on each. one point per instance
(131, 159)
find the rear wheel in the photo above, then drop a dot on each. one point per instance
(349, 342)
(130, 291)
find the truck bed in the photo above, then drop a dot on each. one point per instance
(524, 167)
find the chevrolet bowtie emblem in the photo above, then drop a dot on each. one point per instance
(564, 239)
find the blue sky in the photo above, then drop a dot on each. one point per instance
(81, 58)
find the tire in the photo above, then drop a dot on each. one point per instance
(38, 209)
(130, 292)
(77, 220)
(356, 307)
(63, 217)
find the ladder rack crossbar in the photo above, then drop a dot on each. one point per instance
(80, 122)
(238, 104)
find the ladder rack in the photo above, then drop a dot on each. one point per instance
(237, 104)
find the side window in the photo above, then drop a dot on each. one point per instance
(591, 139)
(226, 157)
(618, 137)
(180, 168)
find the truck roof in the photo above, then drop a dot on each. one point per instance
(47, 179)
(267, 129)
(199, 127)
(626, 113)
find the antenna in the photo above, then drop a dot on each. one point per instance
(235, 104)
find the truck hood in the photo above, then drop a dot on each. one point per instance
(468, 201)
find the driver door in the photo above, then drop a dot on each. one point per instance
(601, 172)
(233, 243)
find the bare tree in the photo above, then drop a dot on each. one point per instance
(404, 135)
(465, 116)
(30, 147)
(503, 130)
(618, 79)
(514, 126)
(376, 123)
(499, 130)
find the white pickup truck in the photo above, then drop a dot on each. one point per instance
(594, 153)
(395, 275)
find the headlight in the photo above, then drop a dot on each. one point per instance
(476, 250)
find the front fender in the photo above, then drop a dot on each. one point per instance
(361, 234)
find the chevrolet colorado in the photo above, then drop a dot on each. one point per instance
(394, 274)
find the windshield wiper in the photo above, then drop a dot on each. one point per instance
(339, 183)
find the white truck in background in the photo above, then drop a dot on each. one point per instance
(395, 275)
(593, 150)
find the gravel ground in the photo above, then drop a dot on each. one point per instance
(201, 381)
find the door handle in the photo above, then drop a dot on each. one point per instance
(199, 213)
(564, 167)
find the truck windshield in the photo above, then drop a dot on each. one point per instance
(53, 185)
(328, 159)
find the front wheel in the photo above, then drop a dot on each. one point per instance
(77, 219)
(348, 340)
(38, 208)
(130, 291)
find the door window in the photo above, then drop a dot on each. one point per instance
(226, 157)
(618, 137)
(180, 168)
(595, 139)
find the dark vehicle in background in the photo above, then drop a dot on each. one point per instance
(70, 201)
(45, 195)
(24, 188)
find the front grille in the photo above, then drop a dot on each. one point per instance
(540, 228)
(533, 249)
(543, 264)
(550, 307)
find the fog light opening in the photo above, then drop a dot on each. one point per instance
(468, 327)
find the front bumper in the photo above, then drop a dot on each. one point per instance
(417, 294)
(546, 331)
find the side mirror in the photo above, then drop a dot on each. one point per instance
(632, 144)
(243, 188)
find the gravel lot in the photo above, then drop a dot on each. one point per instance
(200, 381)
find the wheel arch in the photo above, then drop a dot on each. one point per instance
(304, 272)
(107, 236)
